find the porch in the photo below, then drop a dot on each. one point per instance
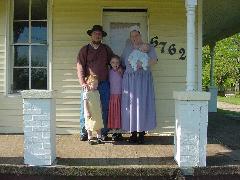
(154, 158)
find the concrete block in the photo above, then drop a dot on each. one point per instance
(46, 145)
(41, 128)
(45, 123)
(27, 118)
(28, 129)
(35, 160)
(32, 111)
(188, 150)
(189, 161)
(41, 118)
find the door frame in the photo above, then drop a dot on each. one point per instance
(122, 15)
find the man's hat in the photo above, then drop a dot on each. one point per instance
(96, 28)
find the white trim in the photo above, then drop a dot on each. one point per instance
(190, 3)
(123, 7)
(200, 15)
(37, 94)
(50, 42)
(193, 95)
(30, 46)
(125, 17)
(9, 47)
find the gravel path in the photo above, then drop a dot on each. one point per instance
(227, 106)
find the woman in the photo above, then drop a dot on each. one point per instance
(138, 99)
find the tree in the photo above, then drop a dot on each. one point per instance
(226, 63)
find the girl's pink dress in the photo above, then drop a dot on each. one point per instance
(114, 113)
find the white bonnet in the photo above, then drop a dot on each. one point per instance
(134, 28)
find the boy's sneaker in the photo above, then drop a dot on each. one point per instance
(99, 141)
(91, 142)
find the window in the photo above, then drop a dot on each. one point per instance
(29, 66)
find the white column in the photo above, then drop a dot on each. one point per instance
(191, 108)
(190, 7)
(191, 114)
(39, 127)
(212, 48)
(212, 88)
(200, 39)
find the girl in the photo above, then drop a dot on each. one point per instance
(92, 109)
(114, 113)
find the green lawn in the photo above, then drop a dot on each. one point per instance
(230, 99)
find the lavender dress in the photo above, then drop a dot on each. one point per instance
(138, 100)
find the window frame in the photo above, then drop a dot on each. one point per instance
(10, 46)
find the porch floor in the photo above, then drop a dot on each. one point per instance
(158, 150)
(156, 155)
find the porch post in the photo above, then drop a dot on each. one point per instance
(212, 88)
(190, 7)
(39, 127)
(191, 108)
(212, 48)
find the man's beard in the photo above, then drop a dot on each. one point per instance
(96, 42)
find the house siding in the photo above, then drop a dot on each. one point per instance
(2, 45)
(71, 20)
(10, 107)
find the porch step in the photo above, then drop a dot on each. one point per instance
(18, 172)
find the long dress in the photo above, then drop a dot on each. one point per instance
(114, 113)
(95, 122)
(138, 99)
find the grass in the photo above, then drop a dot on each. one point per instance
(230, 99)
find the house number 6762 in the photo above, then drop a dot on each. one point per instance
(171, 49)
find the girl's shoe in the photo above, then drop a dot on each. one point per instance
(119, 136)
(133, 137)
(114, 137)
(104, 137)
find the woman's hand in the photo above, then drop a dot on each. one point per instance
(152, 62)
(144, 47)
(139, 64)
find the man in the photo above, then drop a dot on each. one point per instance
(94, 59)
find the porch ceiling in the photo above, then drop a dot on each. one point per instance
(221, 19)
